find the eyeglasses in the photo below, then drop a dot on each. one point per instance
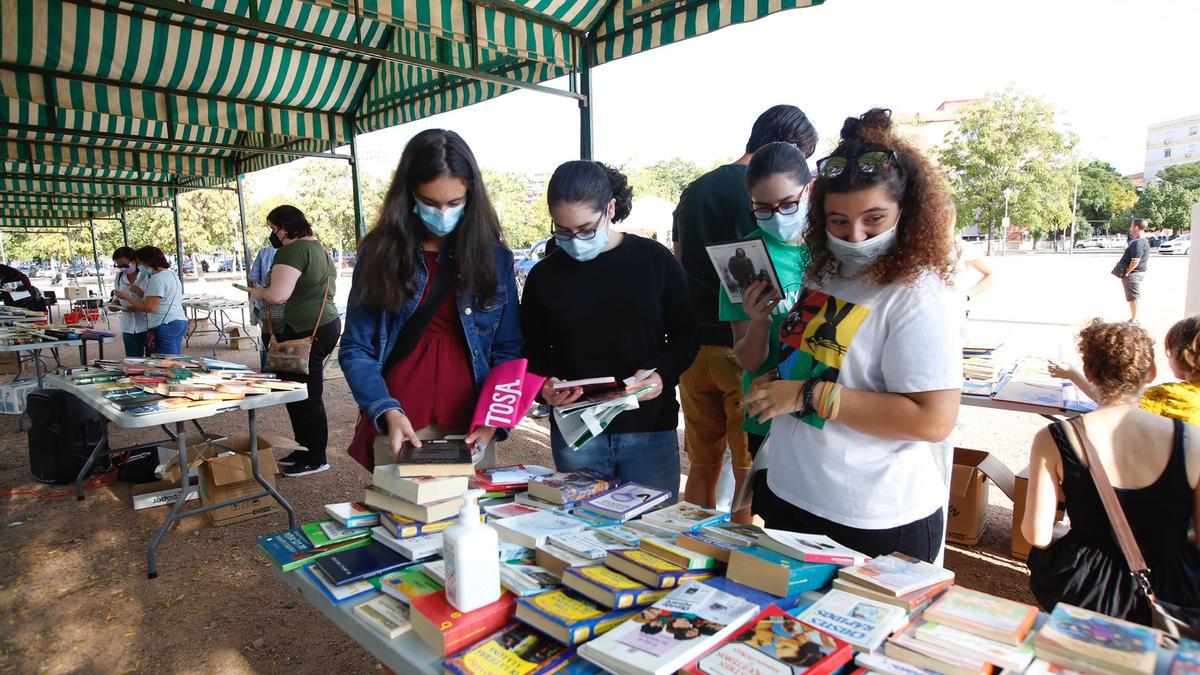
(582, 234)
(868, 163)
(784, 209)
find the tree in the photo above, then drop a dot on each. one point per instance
(666, 178)
(1008, 140)
(1183, 175)
(1167, 206)
(523, 216)
(1105, 195)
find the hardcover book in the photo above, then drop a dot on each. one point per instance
(426, 513)
(417, 489)
(913, 603)
(508, 478)
(861, 622)
(532, 530)
(814, 548)
(516, 648)
(774, 642)
(652, 570)
(984, 615)
(574, 486)
(1084, 640)
(626, 502)
(590, 544)
(344, 567)
(684, 557)
(338, 594)
(895, 574)
(568, 617)
(667, 635)
(776, 573)
(352, 514)
(440, 457)
(447, 630)
(413, 548)
(610, 588)
(685, 517)
(705, 545)
(407, 584)
(387, 615)
(290, 549)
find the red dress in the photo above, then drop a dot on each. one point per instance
(434, 383)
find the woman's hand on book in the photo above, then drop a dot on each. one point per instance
(556, 397)
(653, 380)
(768, 399)
(760, 300)
(400, 430)
(482, 435)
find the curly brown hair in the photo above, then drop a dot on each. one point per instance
(1183, 342)
(1118, 358)
(925, 236)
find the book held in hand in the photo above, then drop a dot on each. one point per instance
(516, 648)
(861, 622)
(815, 548)
(438, 457)
(665, 636)
(774, 642)
(984, 615)
(741, 263)
(589, 385)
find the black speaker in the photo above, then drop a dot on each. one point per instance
(63, 430)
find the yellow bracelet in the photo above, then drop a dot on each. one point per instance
(835, 401)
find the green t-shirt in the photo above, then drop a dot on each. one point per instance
(789, 261)
(318, 278)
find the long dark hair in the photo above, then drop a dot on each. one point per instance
(152, 256)
(924, 235)
(388, 254)
(585, 182)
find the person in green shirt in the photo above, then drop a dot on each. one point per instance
(778, 179)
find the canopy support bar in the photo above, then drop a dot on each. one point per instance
(585, 104)
(242, 218)
(360, 227)
(178, 236)
(124, 225)
(96, 258)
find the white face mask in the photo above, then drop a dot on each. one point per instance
(854, 257)
(786, 228)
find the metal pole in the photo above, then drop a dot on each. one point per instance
(360, 227)
(1074, 209)
(586, 140)
(96, 257)
(178, 236)
(124, 225)
(242, 214)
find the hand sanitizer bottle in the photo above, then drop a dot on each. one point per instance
(472, 554)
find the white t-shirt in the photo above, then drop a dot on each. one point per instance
(165, 285)
(897, 338)
(131, 321)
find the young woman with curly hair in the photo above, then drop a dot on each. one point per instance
(871, 358)
(1154, 464)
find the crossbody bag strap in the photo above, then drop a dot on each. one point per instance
(411, 332)
(320, 314)
(1112, 506)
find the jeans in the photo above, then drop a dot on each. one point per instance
(649, 458)
(309, 424)
(167, 338)
(920, 539)
(135, 344)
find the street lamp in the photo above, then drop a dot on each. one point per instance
(1004, 223)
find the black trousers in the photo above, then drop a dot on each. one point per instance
(309, 424)
(920, 539)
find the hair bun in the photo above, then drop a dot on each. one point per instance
(875, 119)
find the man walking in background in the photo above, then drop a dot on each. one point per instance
(1133, 265)
(715, 208)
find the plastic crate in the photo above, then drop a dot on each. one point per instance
(13, 396)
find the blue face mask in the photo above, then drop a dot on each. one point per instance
(786, 228)
(440, 223)
(584, 250)
(144, 270)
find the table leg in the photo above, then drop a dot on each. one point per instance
(38, 367)
(83, 352)
(258, 474)
(91, 461)
(172, 517)
(100, 346)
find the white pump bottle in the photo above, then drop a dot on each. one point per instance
(472, 554)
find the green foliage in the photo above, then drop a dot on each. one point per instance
(666, 178)
(522, 211)
(1105, 195)
(1008, 140)
(1183, 175)
(1167, 206)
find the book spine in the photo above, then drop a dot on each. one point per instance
(843, 560)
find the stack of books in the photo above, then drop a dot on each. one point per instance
(896, 579)
(1076, 639)
(982, 370)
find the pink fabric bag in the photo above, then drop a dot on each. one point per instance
(506, 395)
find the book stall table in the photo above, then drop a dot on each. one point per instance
(404, 654)
(92, 396)
(35, 349)
(216, 314)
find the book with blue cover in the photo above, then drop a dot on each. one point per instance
(338, 594)
(792, 604)
(569, 617)
(776, 573)
(290, 549)
(626, 502)
(359, 563)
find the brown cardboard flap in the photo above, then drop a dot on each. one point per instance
(967, 461)
(235, 468)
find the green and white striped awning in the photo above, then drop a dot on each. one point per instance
(107, 104)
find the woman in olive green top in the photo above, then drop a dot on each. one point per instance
(303, 280)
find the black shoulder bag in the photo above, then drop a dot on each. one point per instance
(410, 334)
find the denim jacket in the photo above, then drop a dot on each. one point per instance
(493, 333)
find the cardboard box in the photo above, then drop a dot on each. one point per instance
(159, 493)
(9, 363)
(229, 476)
(969, 477)
(238, 339)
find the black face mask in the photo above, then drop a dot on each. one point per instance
(275, 240)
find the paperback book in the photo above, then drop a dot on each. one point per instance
(737, 534)
(407, 584)
(386, 614)
(1015, 658)
(610, 588)
(352, 514)
(861, 622)
(590, 544)
(673, 553)
(913, 603)
(533, 529)
(774, 642)
(662, 638)
(406, 528)
(338, 594)
(792, 604)
(895, 574)
(1084, 640)
(353, 564)
(626, 502)
(330, 532)
(621, 533)
(525, 580)
(290, 549)
(417, 489)
(1187, 658)
(705, 545)
(508, 510)
(813, 548)
(563, 488)
(905, 648)
(652, 570)
(649, 529)
(555, 559)
(984, 615)
(440, 457)
(685, 517)
(508, 478)
(516, 648)
(413, 548)
(776, 573)
(568, 617)
(426, 513)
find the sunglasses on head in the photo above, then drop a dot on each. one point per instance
(868, 163)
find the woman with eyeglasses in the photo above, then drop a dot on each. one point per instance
(874, 373)
(777, 178)
(433, 305)
(609, 304)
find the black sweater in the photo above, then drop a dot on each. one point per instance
(625, 310)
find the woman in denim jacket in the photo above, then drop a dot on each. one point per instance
(436, 219)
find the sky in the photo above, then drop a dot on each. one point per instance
(1110, 68)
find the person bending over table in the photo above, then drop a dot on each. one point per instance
(608, 304)
(1154, 464)
(130, 280)
(875, 370)
(419, 378)
(303, 280)
(161, 299)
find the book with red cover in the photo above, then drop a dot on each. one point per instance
(774, 642)
(448, 631)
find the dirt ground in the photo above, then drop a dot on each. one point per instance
(74, 596)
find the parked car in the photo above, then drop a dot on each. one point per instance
(1093, 242)
(1179, 245)
(225, 265)
(522, 265)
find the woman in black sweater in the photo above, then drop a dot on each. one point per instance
(609, 304)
